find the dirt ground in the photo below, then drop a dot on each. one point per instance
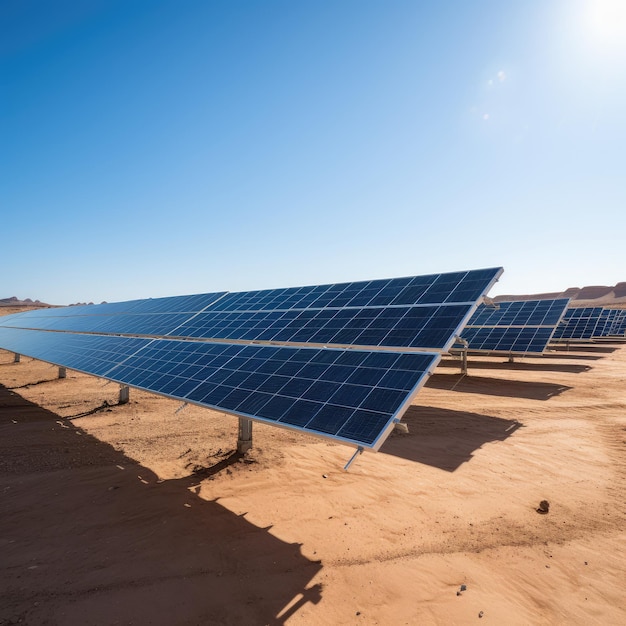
(139, 514)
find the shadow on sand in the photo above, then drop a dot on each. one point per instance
(498, 364)
(496, 386)
(89, 536)
(445, 438)
(593, 348)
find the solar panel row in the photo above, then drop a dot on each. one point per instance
(200, 348)
(515, 327)
(393, 313)
(578, 323)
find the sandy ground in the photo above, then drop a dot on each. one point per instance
(136, 514)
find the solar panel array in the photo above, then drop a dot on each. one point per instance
(342, 361)
(516, 327)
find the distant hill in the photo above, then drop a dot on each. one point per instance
(17, 302)
(580, 296)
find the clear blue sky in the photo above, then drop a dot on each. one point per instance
(158, 148)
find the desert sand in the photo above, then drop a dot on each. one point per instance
(137, 514)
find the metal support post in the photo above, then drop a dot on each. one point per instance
(511, 358)
(16, 358)
(358, 452)
(464, 361)
(464, 351)
(62, 372)
(124, 394)
(244, 438)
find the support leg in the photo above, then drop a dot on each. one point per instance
(16, 358)
(124, 394)
(244, 439)
(464, 361)
(62, 372)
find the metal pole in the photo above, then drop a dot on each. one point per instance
(244, 439)
(124, 394)
(464, 361)
(62, 372)
(358, 452)
(16, 358)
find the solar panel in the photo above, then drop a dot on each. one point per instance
(618, 327)
(352, 396)
(508, 340)
(579, 323)
(340, 361)
(516, 327)
(158, 315)
(91, 354)
(603, 327)
(421, 312)
(424, 327)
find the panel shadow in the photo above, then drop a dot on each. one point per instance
(445, 438)
(544, 366)
(495, 386)
(571, 355)
(89, 536)
(584, 347)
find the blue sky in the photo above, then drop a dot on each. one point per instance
(158, 148)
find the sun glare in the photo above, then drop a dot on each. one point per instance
(606, 20)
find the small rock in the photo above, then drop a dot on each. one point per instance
(324, 475)
(463, 587)
(544, 507)
(480, 614)
(358, 612)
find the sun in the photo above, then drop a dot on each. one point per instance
(606, 20)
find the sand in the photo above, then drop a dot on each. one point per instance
(136, 514)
